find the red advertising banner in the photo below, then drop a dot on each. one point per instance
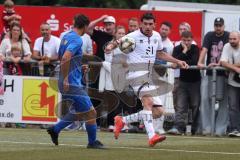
(60, 19)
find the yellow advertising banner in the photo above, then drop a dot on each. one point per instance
(39, 100)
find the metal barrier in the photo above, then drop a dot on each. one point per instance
(32, 68)
(99, 64)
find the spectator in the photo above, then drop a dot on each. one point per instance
(102, 37)
(1, 78)
(184, 26)
(15, 57)
(133, 24)
(8, 15)
(105, 82)
(87, 46)
(212, 46)
(165, 30)
(25, 36)
(168, 74)
(16, 38)
(188, 92)
(45, 49)
(231, 60)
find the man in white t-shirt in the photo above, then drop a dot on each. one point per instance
(230, 59)
(165, 30)
(139, 76)
(167, 99)
(46, 49)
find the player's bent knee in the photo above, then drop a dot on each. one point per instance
(157, 112)
(88, 117)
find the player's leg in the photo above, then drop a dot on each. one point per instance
(147, 102)
(86, 112)
(64, 122)
(158, 115)
(143, 115)
(146, 116)
(120, 121)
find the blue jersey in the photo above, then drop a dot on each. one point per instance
(72, 42)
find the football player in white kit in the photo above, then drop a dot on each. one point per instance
(148, 47)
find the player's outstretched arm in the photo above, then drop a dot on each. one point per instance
(65, 65)
(164, 56)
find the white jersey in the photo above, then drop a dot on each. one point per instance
(145, 51)
(146, 47)
(145, 55)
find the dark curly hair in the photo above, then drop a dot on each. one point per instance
(80, 21)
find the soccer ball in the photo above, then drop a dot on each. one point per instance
(127, 44)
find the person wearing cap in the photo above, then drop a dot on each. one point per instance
(212, 47)
(101, 37)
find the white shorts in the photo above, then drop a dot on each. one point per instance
(157, 100)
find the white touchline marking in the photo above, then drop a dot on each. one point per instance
(131, 148)
(190, 137)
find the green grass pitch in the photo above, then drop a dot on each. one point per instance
(34, 144)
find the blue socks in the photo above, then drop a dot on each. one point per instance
(67, 120)
(92, 133)
(70, 118)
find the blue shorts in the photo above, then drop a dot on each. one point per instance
(79, 99)
(79, 103)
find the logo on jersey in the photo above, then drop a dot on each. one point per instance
(141, 41)
(155, 41)
(64, 42)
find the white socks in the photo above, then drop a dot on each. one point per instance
(146, 117)
(148, 123)
(158, 125)
(136, 117)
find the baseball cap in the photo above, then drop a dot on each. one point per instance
(109, 19)
(219, 21)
